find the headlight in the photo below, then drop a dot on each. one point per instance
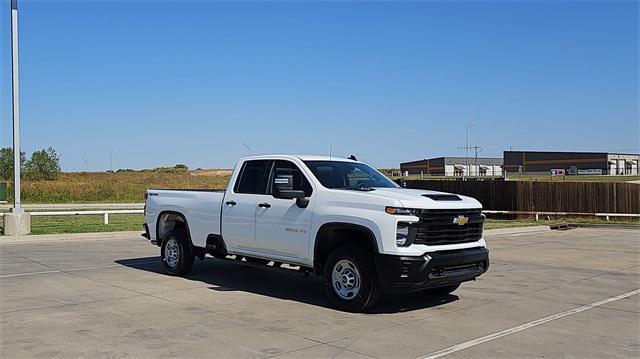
(402, 236)
(401, 211)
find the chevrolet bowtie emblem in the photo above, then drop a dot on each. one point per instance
(461, 220)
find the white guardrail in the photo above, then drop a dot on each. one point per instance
(107, 212)
(104, 213)
(577, 214)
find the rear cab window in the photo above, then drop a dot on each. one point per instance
(253, 177)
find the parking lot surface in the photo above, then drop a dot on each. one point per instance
(548, 294)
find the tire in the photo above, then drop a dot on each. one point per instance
(177, 258)
(350, 280)
(442, 291)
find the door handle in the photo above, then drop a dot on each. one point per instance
(230, 203)
(264, 205)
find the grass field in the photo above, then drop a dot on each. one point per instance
(108, 187)
(133, 222)
(84, 224)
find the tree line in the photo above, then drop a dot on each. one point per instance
(43, 165)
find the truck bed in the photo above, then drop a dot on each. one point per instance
(200, 207)
(190, 189)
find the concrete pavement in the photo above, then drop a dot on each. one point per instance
(106, 297)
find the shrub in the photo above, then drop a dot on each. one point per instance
(6, 163)
(43, 165)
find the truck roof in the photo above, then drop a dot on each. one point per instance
(301, 157)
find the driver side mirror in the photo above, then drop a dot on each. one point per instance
(283, 189)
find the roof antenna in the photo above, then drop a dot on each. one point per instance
(353, 158)
(330, 153)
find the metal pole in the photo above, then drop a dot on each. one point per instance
(466, 147)
(16, 108)
(475, 148)
(466, 154)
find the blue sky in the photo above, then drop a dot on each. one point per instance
(190, 82)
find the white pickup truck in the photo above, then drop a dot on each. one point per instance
(337, 218)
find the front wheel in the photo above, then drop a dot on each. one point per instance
(350, 281)
(177, 258)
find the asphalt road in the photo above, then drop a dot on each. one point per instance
(551, 294)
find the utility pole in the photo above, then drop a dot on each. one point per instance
(469, 126)
(477, 149)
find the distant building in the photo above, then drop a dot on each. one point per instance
(594, 163)
(453, 166)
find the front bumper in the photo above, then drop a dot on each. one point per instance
(431, 270)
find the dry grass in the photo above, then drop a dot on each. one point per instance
(102, 187)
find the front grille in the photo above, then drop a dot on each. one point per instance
(437, 227)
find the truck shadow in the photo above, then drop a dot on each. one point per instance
(225, 276)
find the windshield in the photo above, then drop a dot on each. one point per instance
(348, 175)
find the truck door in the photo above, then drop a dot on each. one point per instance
(282, 228)
(241, 204)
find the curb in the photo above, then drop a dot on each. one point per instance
(517, 230)
(601, 226)
(94, 236)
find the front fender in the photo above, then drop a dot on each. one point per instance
(369, 225)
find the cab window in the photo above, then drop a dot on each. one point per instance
(253, 177)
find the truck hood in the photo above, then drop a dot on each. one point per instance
(417, 198)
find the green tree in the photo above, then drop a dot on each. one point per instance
(43, 165)
(6, 163)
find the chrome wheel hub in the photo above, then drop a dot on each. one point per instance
(345, 279)
(172, 253)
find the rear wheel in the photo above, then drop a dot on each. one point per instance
(350, 281)
(176, 255)
(441, 291)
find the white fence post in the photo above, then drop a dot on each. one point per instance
(106, 218)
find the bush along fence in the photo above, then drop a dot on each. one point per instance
(524, 196)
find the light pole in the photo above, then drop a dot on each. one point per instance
(17, 222)
(17, 208)
(469, 126)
